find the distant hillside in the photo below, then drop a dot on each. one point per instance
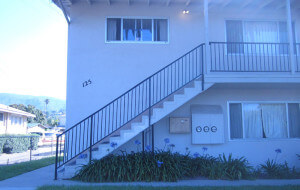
(55, 104)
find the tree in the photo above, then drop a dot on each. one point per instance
(52, 122)
(46, 102)
(19, 106)
(40, 117)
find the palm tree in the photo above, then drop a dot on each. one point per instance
(46, 102)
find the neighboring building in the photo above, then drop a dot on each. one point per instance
(234, 86)
(13, 121)
(36, 128)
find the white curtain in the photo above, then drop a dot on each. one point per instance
(252, 121)
(261, 32)
(111, 29)
(274, 120)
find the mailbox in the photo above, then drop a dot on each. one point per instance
(207, 124)
(180, 125)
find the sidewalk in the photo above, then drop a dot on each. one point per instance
(45, 176)
(41, 152)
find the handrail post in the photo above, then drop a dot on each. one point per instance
(143, 141)
(202, 72)
(149, 120)
(91, 139)
(56, 158)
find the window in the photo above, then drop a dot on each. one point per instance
(136, 30)
(1, 117)
(256, 32)
(264, 121)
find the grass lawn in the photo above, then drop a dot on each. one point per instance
(20, 168)
(167, 188)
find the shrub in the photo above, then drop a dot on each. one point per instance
(141, 166)
(18, 143)
(272, 169)
(234, 168)
(161, 166)
(2, 142)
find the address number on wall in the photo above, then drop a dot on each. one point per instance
(86, 83)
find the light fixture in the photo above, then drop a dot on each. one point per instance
(185, 12)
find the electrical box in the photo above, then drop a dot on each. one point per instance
(180, 125)
(207, 124)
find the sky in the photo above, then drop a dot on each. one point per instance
(33, 48)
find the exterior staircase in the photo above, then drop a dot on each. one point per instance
(112, 126)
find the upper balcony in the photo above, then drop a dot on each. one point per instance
(253, 62)
(253, 57)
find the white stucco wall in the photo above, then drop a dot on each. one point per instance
(256, 151)
(10, 127)
(114, 68)
(3, 123)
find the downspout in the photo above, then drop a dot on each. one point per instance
(64, 11)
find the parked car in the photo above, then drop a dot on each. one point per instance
(46, 138)
(49, 138)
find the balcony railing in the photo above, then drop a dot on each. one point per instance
(250, 57)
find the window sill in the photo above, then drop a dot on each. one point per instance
(134, 42)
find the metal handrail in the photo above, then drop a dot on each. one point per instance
(142, 97)
(249, 57)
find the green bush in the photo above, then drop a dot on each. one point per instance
(18, 143)
(2, 142)
(271, 169)
(161, 166)
(234, 168)
(221, 167)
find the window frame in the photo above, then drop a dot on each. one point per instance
(256, 20)
(1, 117)
(259, 102)
(133, 41)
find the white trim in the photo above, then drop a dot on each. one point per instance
(228, 121)
(287, 119)
(260, 102)
(243, 120)
(137, 42)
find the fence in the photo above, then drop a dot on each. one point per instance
(17, 149)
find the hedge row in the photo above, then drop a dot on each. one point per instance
(163, 166)
(18, 143)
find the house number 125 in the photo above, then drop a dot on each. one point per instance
(86, 83)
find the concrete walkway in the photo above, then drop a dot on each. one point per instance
(45, 176)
